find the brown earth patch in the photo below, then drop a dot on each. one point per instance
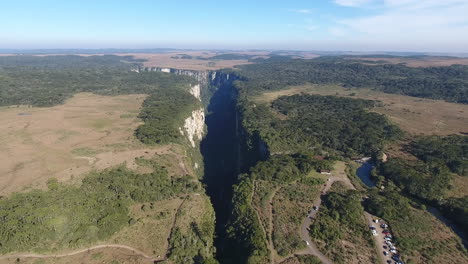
(168, 60)
(68, 140)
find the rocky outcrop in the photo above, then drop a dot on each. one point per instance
(194, 126)
(195, 91)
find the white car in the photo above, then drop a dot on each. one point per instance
(374, 232)
(307, 242)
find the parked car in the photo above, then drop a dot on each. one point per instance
(315, 208)
(385, 253)
(384, 226)
(396, 257)
(387, 239)
(393, 251)
(307, 242)
(374, 232)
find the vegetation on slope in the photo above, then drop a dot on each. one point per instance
(420, 237)
(341, 125)
(430, 178)
(67, 216)
(340, 228)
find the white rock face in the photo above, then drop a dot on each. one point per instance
(195, 91)
(194, 126)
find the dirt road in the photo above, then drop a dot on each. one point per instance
(41, 256)
(378, 239)
(311, 247)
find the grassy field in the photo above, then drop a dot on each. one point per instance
(414, 115)
(290, 205)
(427, 240)
(170, 60)
(459, 186)
(66, 141)
(151, 228)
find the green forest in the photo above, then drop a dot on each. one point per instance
(337, 125)
(448, 83)
(68, 216)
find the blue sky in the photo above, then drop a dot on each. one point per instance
(361, 25)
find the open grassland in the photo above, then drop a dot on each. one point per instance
(428, 61)
(176, 60)
(86, 133)
(414, 115)
(459, 187)
(65, 141)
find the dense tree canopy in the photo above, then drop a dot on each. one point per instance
(448, 83)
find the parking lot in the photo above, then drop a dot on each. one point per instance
(383, 238)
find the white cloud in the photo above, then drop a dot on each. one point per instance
(423, 24)
(303, 11)
(351, 2)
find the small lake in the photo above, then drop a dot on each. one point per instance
(363, 172)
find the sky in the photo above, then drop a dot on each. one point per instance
(347, 25)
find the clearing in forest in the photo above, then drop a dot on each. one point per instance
(87, 132)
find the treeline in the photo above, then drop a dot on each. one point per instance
(343, 126)
(68, 216)
(287, 168)
(448, 83)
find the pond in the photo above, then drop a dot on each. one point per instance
(363, 172)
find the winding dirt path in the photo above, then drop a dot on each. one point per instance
(304, 232)
(104, 246)
(266, 230)
(273, 253)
